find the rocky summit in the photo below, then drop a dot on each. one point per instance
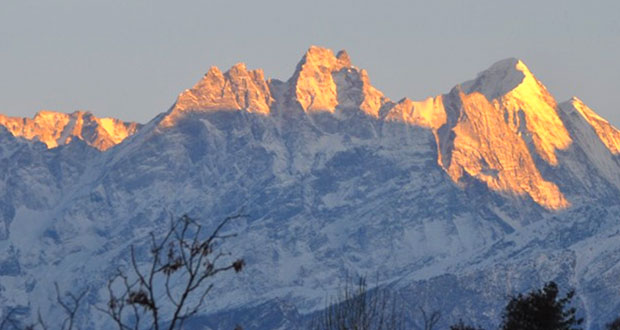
(457, 201)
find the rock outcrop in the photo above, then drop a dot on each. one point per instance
(56, 128)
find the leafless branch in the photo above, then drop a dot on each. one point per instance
(70, 305)
(181, 263)
(430, 321)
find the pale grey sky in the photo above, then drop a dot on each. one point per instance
(129, 59)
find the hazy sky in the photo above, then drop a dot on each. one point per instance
(130, 58)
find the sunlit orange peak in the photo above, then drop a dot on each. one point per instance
(236, 89)
(56, 128)
(608, 134)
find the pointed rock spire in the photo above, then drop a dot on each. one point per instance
(315, 88)
(343, 58)
(324, 81)
(489, 128)
(236, 89)
(497, 80)
(513, 89)
(607, 133)
(214, 74)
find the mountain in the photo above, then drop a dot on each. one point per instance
(457, 201)
(55, 128)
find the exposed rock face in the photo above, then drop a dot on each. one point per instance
(429, 113)
(486, 147)
(323, 82)
(55, 128)
(492, 128)
(512, 89)
(315, 88)
(236, 89)
(485, 129)
(457, 201)
(46, 126)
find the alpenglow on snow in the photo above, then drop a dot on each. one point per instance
(456, 201)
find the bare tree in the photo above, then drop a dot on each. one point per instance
(358, 309)
(430, 320)
(174, 285)
(70, 305)
(39, 324)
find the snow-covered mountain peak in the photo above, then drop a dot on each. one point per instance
(236, 89)
(429, 113)
(503, 119)
(514, 91)
(314, 86)
(324, 81)
(317, 56)
(472, 195)
(499, 79)
(57, 128)
(606, 132)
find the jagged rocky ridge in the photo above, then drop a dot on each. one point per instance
(456, 201)
(56, 128)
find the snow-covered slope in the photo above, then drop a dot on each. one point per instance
(457, 201)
